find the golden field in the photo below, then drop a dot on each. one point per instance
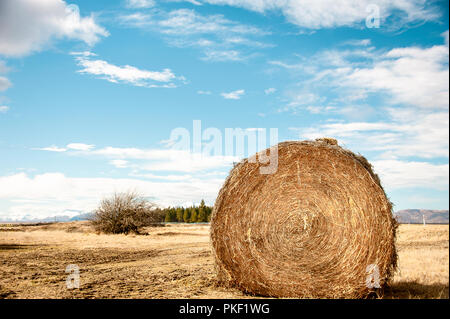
(174, 261)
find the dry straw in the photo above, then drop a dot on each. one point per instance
(313, 229)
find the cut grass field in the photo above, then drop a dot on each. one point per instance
(174, 261)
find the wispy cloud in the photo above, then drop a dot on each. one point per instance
(302, 99)
(226, 55)
(397, 174)
(3, 67)
(234, 95)
(4, 83)
(52, 148)
(413, 76)
(68, 147)
(202, 92)
(119, 163)
(270, 91)
(4, 108)
(405, 133)
(80, 146)
(140, 4)
(313, 14)
(407, 139)
(164, 160)
(394, 146)
(219, 39)
(148, 159)
(358, 42)
(126, 74)
(188, 22)
(185, 21)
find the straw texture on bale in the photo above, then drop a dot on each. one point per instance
(315, 228)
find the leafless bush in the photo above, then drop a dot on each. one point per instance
(124, 213)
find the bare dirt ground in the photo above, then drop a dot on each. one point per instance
(174, 261)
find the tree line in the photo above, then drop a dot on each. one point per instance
(192, 214)
(127, 212)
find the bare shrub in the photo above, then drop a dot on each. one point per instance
(124, 213)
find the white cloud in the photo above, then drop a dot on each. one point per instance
(361, 42)
(239, 40)
(52, 148)
(235, 95)
(304, 99)
(184, 177)
(83, 53)
(119, 163)
(313, 14)
(52, 194)
(137, 153)
(408, 76)
(225, 55)
(188, 22)
(70, 146)
(445, 36)
(4, 83)
(204, 43)
(412, 121)
(164, 159)
(28, 25)
(185, 21)
(194, 2)
(411, 75)
(409, 133)
(270, 91)
(396, 174)
(3, 67)
(126, 74)
(218, 38)
(150, 159)
(140, 3)
(392, 144)
(80, 146)
(201, 92)
(287, 65)
(189, 163)
(136, 19)
(4, 108)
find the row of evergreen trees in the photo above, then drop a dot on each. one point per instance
(193, 214)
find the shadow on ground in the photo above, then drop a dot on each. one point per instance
(16, 246)
(412, 289)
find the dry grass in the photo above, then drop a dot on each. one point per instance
(173, 262)
(423, 262)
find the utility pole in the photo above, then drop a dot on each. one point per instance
(423, 218)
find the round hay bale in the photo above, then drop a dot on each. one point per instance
(321, 226)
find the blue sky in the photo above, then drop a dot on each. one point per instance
(91, 91)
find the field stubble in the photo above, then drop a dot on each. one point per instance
(173, 262)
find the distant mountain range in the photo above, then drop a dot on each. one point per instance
(405, 216)
(415, 216)
(72, 216)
